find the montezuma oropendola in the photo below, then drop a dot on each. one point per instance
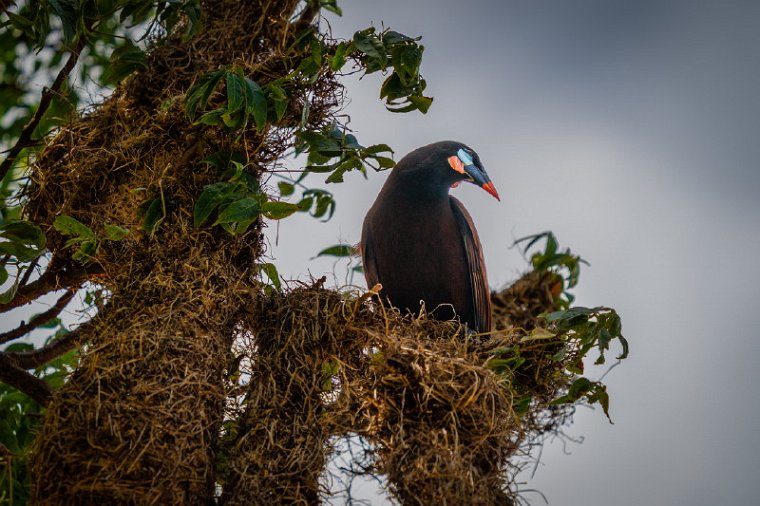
(420, 243)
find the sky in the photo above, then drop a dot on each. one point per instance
(631, 130)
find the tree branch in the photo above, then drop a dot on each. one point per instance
(24, 140)
(41, 356)
(39, 319)
(16, 377)
(29, 271)
(48, 282)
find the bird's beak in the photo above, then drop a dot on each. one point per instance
(479, 177)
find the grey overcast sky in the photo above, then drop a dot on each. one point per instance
(632, 130)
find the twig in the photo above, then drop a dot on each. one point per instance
(14, 376)
(47, 96)
(28, 273)
(39, 319)
(41, 356)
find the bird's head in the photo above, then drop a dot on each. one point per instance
(466, 163)
(433, 169)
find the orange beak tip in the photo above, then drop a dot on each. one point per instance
(490, 188)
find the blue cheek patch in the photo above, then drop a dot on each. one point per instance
(465, 157)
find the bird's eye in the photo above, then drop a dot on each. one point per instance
(465, 156)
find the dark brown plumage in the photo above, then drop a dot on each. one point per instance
(421, 244)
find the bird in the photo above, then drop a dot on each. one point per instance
(420, 243)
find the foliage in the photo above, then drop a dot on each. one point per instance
(20, 417)
(44, 32)
(83, 238)
(564, 263)
(403, 88)
(547, 363)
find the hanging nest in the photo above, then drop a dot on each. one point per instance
(138, 421)
(436, 420)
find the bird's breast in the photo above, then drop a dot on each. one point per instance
(420, 256)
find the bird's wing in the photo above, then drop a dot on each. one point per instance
(477, 266)
(368, 258)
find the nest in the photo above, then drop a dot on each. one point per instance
(435, 419)
(138, 421)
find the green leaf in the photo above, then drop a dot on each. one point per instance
(305, 204)
(332, 6)
(280, 108)
(153, 215)
(368, 43)
(271, 272)
(67, 225)
(222, 159)
(391, 38)
(325, 205)
(198, 95)
(316, 52)
(347, 164)
(19, 347)
(406, 62)
(8, 295)
(66, 10)
(278, 210)
(20, 22)
(24, 240)
(286, 189)
(601, 396)
(233, 120)
(88, 249)
(82, 236)
(235, 99)
(245, 209)
(392, 88)
(339, 58)
(210, 198)
(377, 148)
(384, 162)
(50, 324)
(3, 274)
(116, 233)
(126, 59)
(338, 250)
(279, 98)
(421, 103)
(212, 118)
(579, 387)
(522, 404)
(624, 344)
(538, 333)
(256, 103)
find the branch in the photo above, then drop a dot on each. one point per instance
(50, 281)
(25, 138)
(39, 319)
(29, 271)
(41, 356)
(16, 377)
